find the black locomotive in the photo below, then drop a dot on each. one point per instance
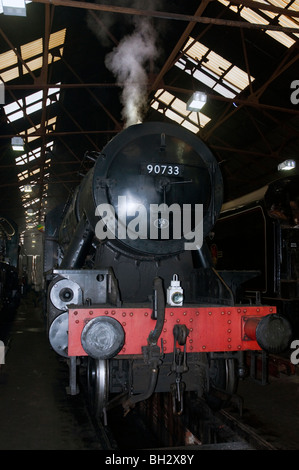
(260, 232)
(9, 279)
(133, 296)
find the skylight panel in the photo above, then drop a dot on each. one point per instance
(32, 54)
(213, 70)
(34, 97)
(18, 109)
(8, 59)
(49, 125)
(32, 49)
(281, 37)
(252, 17)
(33, 155)
(286, 39)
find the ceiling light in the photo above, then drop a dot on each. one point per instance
(287, 165)
(17, 143)
(197, 101)
(27, 188)
(13, 7)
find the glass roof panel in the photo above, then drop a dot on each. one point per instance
(268, 17)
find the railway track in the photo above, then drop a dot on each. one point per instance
(200, 428)
(152, 427)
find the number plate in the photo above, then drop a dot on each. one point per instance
(166, 169)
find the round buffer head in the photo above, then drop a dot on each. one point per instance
(102, 337)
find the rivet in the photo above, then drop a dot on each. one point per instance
(91, 312)
(124, 314)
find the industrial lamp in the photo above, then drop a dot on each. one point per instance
(13, 7)
(197, 101)
(17, 143)
(287, 165)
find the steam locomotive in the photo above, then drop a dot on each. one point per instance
(9, 280)
(133, 296)
(260, 231)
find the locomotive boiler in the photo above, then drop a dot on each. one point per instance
(133, 296)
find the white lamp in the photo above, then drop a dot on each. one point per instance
(17, 143)
(13, 7)
(197, 101)
(287, 165)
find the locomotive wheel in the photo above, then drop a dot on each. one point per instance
(98, 386)
(222, 378)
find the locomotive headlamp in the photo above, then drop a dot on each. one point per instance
(175, 292)
(197, 101)
(102, 337)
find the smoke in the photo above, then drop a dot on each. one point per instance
(129, 62)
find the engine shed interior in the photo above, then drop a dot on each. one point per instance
(151, 104)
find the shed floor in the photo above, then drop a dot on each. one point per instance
(35, 411)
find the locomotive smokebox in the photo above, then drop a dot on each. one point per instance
(272, 332)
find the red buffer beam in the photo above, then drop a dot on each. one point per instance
(209, 328)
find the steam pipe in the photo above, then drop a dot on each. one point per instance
(77, 249)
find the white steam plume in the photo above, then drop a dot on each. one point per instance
(128, 62)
